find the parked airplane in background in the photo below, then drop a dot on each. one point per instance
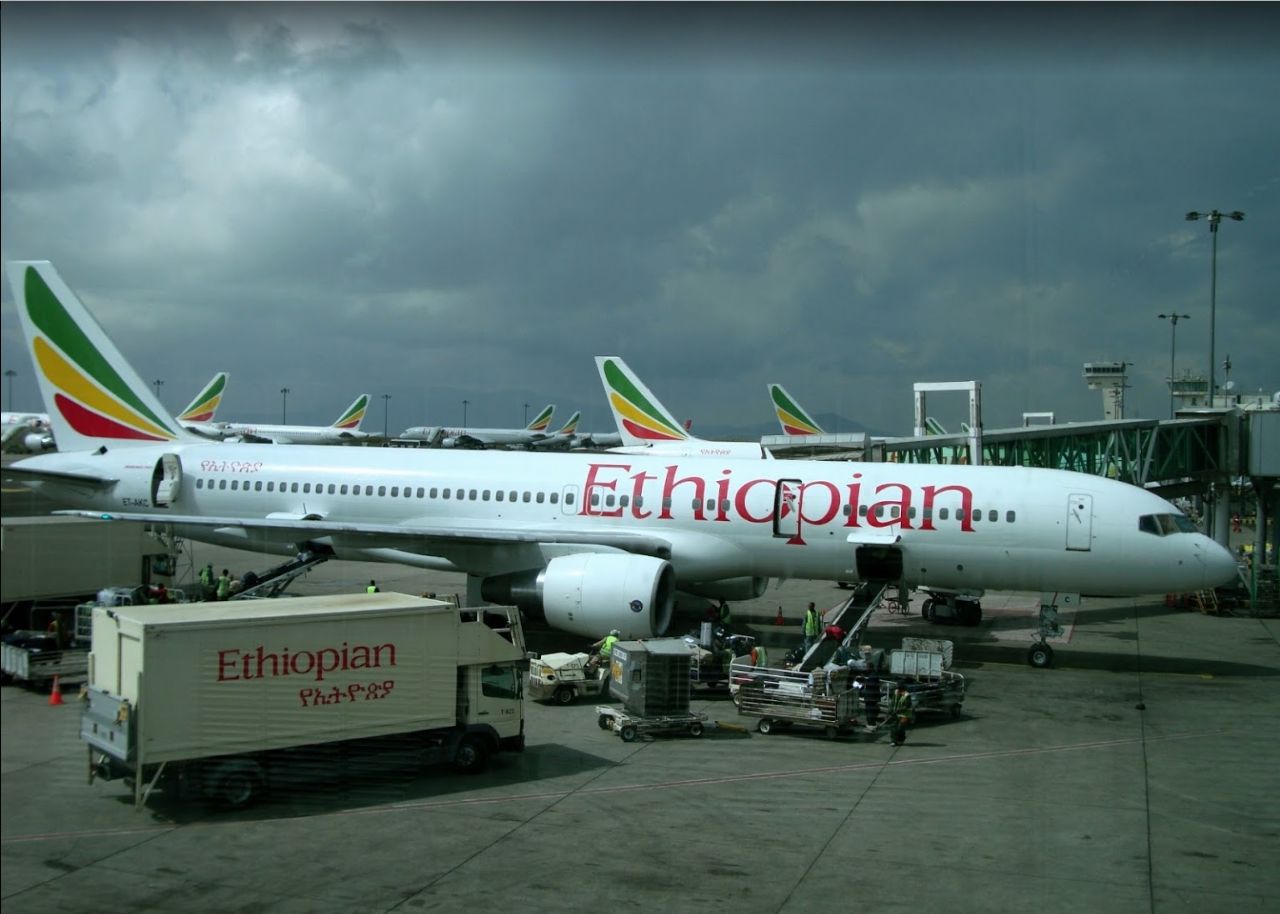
(562, 438)
(589, 542)
(26, 433)
(791, 415)
(346, 430)
(647, 427)
(440, 436)
(199, 414)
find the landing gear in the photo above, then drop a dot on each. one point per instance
(1040, 656)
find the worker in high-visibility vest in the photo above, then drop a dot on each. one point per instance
(372, 588)
(812, 626)
(901, 715)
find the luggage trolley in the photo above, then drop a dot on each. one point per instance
(780, 698)
(630, 726)
(652, 680)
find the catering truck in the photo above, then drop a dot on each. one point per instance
(218, 699)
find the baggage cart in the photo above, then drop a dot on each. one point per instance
(631, 726)
(781, 698)
(930, 685)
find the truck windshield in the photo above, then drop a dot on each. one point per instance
(500, 682)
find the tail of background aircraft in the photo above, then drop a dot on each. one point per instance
(570, 427)
(542, 421)
(791, 416)
(206, 403)
(350, 420)
(640, 417)
(92, 394)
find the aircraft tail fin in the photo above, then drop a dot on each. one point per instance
(354, 414)
(791, 416)
(542, 421)
(205, 405)
(640, 417)
(93, 396)
(570, 427)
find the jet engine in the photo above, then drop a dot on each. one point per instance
(727, 588)
(591, 593)
(38, 442)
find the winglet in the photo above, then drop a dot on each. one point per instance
(640, 417)
(92, 394)
(791, 416)
(206, 403)
(354, 415)
(542, 421)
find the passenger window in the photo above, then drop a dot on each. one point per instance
(977, 514)
(343, 489)
(623, 500)
(199, 483)
(306, 488)
(368, 491)
(471, 494)
(595, 499)
(332, 489)
(1009, 516)
(862, 510)
(639, 501)
(271, 486)
(993, 515)
(444, 494)
(222, 484)
(293, 487)
(538, 497)
(666, 502)
(525, 498)
(511, 496)
(498, 496)
(395, 491)
(257, 486)
(235, 484)
(382, 490)
(912, 512)
(568, 498)
(421, 491)
(555, 498)
(434, 492)
(944, 513)
(697, 503)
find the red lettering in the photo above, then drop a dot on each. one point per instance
(637, 495)
(592, 483)
(855, 501)
(722, 497)
(903, 503)
(740, 503)
(227, 663)
(669, 486)
(965, 510)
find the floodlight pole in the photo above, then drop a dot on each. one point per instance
(1214, 217)
(1173, 348)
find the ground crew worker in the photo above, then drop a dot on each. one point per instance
(724, 614)
(372, 588)
(603, 651)
(206, 581)
(812, 627)
(900, 715)
(224, 584)
(759, 656)
(871, 697)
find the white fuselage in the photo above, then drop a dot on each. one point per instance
(955, 527)
(291, 434)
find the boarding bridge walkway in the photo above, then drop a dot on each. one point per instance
(274, 580)
(843, 616)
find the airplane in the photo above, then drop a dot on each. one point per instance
(562, 438)
(26, 433)
(439, 436)
(345, 430)
(791, 415)
(588, 542)
(199, 414)
(647, 427)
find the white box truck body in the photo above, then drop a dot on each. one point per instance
(207, 692)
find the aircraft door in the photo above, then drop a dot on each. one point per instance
(879, 563)
(569, 500)
(1080, 523)
(166, 480)
(786, 508)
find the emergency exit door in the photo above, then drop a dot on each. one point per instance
(166, 480)
(1080, 523)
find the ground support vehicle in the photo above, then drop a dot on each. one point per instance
(631, 726)
(779, 698)
(563, 677)
(931, 687)
(709, 665)
(225, 700)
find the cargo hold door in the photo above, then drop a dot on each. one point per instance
(166, 480)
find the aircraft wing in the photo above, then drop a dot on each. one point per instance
(428, 539)
(88, 478)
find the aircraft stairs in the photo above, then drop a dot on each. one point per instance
(273, 581)
(844, 616)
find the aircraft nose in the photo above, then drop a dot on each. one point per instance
(1219, 564)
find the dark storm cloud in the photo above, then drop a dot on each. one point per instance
(453, 201)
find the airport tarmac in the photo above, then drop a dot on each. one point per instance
(1137, 775)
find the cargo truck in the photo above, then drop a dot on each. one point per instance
(216, 699)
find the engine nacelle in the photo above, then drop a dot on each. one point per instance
(591, 593)
(728, 588)
(37, 443)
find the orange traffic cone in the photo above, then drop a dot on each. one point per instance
(55, 696)
(778, 620)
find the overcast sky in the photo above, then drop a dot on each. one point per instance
(472, 201)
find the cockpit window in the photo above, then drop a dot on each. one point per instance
(1166, 524)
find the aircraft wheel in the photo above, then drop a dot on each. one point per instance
(1040, 656)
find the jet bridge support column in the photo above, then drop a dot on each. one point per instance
(975, 411)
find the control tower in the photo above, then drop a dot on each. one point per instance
(1109, 378)
(1189, 390)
